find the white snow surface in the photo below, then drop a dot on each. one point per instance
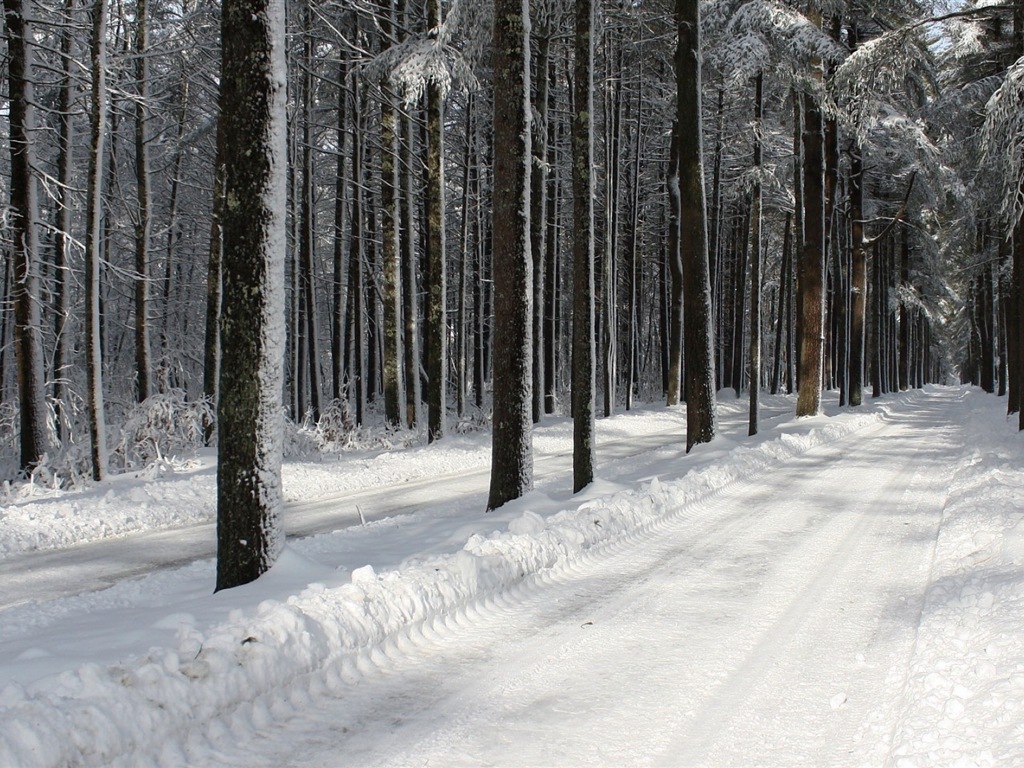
(845, 590)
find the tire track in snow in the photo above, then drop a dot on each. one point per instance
(725, 581)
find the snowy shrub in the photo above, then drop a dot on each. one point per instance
(336, 424)
(165, 425)
(477, 421)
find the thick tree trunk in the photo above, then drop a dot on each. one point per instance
(28, 344)
(583, 347)
(512, 451)
(699, 342)
(249, 502)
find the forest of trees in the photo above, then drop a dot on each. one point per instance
(756, 195)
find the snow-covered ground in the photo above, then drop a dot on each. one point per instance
(844, 591)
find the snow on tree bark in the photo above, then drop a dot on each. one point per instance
(143, 224)
(28, 343)
(249, 534)
(437, 319)
(94, 239)
(512, 451)
(583, 347)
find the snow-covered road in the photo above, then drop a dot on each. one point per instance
(843, 591)
(772, 624)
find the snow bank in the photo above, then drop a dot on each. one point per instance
(965, 694)
(239, 676)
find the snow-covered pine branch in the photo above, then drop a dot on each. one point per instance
(1002, 141)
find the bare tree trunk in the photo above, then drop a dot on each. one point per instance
(437, 324)
(211, 348)
(538, 220)
(858, 278)
(583, 347)
(512, 450)
(28, 344)
(62, 238)
(699, 341)
(675, 264)
(755, 262)
(143, 227)
(811, 316)
(307, 243)
(249, 503)
(782, 319)
(340, 194)
(93, 240)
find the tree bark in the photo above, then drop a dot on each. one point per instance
(811, 311)
(512, 452)
(699, 343)
(143, 226)
(755, 263)
(253, 97)
(28, 344)
(437, 320)
(93, 241)
(583, 346)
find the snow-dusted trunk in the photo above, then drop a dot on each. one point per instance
(609, 263)
(143, 224)
(811, 273)
(437, 320)
(583, 348)
(693, 232)
(214, 295)
(307, 244)
(252, 105)
(858, 278)
(339, 305)
(390, 246)
(24, 213)
(356, 335)
(674, 332)
(94, 241)
(410, 284)
(62, 237)
(782, 318)
(538, 218)
(512, 449)
(755, 261)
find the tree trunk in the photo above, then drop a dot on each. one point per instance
(28, 344)
(252, 104)
(755, 263)
(538, 220)
(858, 278)
(810, 316)
(94, 239)
(583, 347)
(340, 194)
(512, 452)
(143, 226)
(62, 237)
(437, 321)
(307, 242)
(211, 348)
(674, 256)
(699, 342)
